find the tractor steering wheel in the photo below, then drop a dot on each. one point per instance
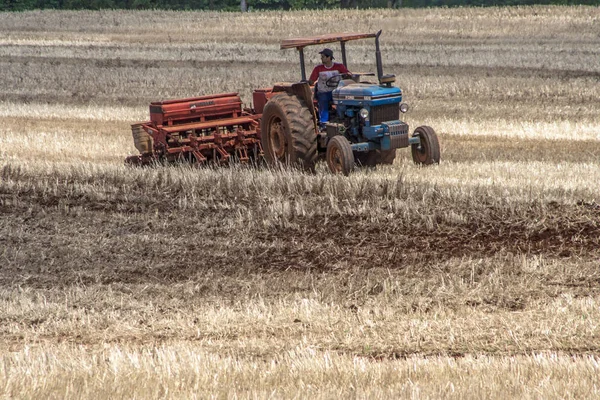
(330, 82)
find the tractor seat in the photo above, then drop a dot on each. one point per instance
(388, 79)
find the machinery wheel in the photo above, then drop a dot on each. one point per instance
(428, 151)
(133, 161)
(340, 158)
(287, 132)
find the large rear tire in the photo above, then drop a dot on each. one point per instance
(287, 132)
(340, 158)
(428, 151)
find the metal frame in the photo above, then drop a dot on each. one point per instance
(204, 129)
(300, 43)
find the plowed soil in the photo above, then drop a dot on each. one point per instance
(50, 243)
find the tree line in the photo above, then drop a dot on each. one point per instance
(251, 5)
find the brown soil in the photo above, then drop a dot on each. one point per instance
(115, 241)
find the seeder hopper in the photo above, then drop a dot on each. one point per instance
(201, 129)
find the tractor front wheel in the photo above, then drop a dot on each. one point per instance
(340, 158)
(428, 151)
(287, 132)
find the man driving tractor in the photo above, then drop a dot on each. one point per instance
(324, 72)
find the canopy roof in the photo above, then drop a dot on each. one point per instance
(329, 38)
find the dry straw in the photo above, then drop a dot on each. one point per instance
(471, 279)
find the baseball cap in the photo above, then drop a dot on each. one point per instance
(327, 52)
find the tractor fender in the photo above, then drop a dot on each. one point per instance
(302, 91)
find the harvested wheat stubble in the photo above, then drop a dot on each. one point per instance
(477, 278)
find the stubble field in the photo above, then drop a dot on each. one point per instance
(476, 278)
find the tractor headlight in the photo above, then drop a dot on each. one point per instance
(403, 107)
(363, 113)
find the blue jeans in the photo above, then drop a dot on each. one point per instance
(324, 99)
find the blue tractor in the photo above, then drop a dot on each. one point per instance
(364, 127)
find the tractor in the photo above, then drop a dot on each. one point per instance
(364, 128)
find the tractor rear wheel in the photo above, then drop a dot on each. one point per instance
(428, 151)
(340, 158)
(287, 132)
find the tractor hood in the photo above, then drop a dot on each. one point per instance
(367, 91)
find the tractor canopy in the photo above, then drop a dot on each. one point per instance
(322, 39)
(300, 43)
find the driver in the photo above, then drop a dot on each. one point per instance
(323, 72)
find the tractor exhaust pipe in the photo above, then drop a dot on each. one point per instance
(378, 57)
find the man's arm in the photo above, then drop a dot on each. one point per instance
(342, 68)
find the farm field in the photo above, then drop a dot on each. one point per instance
(475, 278)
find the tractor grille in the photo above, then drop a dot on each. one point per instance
(386, 112)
